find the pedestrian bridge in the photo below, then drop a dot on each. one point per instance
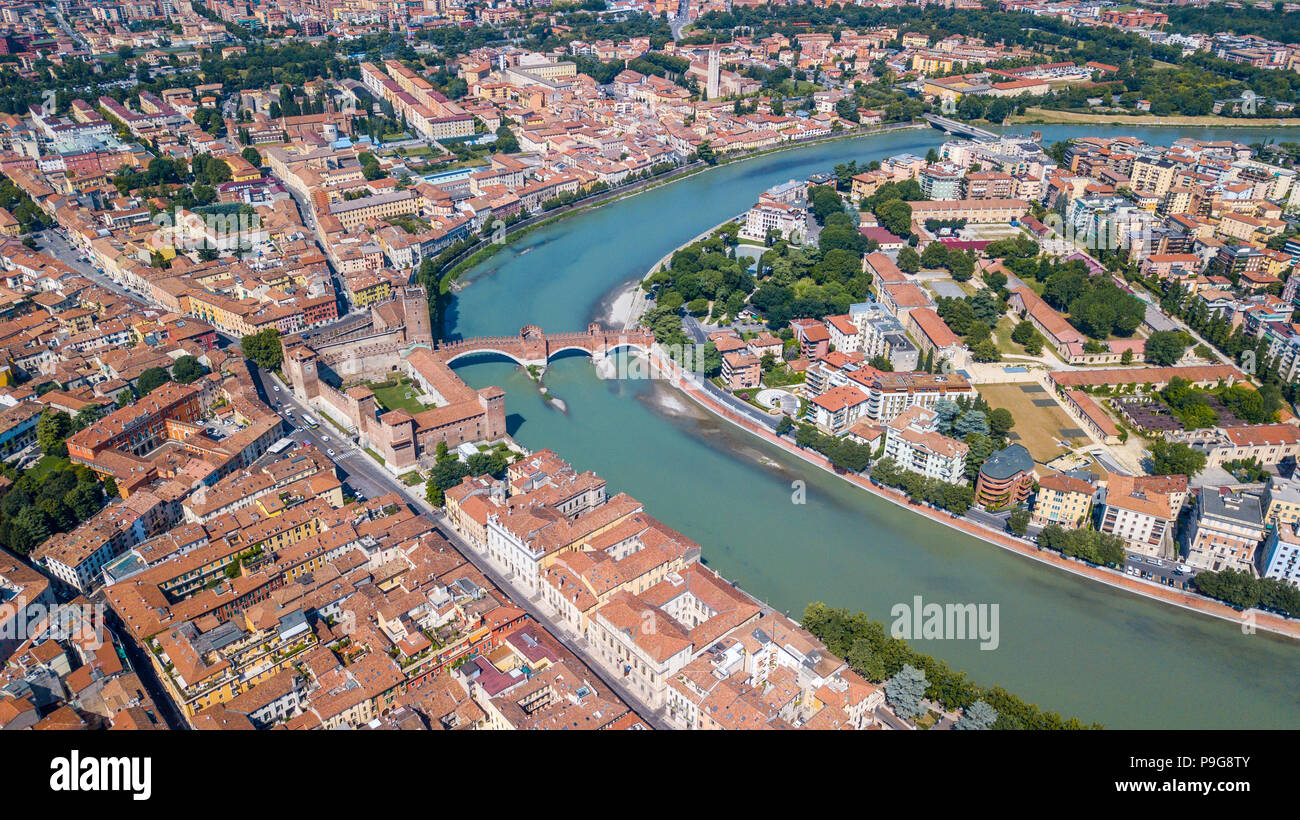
(533, 346)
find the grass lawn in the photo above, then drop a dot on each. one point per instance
(1002, 335)
(47, 464)
(340, 427)
(411, 479)
(398, 397)
(928, 720)
(1038, 428)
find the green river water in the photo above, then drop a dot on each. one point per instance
(1066, 643)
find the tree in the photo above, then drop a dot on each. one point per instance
(28, 529)
(864, 660)
(784, 425)
(1018, 522)
(909, 261)
(507, 142)
(370, 168)
(432, 492)
(706, 153)
(711, 360)
(252, 156)
(187, 370)
(979, 715)
(264, 348)
(947, 412)
(448, 473)
(1175, 458)
(490, 463)
(896, 217)
(1000, 421)
(1165, 347)
(86, 416)
(52, 429)
(905, 692)
(84, 500)
(935, 255)
(152, 379)
(972, 421)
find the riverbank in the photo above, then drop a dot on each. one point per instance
(846, 548)
(476, 255)
(1045, 116)
(1195, 603)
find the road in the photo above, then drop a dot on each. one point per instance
(679, 21)
(140, 664)
(307, 216)
(362, 473)
(693, 328)
(53, 242)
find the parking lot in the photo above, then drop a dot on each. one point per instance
(1161, 570)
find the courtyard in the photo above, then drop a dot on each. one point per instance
(399, 395)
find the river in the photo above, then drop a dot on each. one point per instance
(1068, 644)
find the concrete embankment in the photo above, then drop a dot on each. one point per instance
(1250, 619)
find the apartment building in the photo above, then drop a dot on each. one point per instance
(1063, 500)
(838, 409)
(1228, 528)
(912, 440)
(1282, 501)
(1142, 517)
(1280, 553)
(741, 370)
(1005, 478)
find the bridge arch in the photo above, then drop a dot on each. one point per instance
(482, 351)
(605, 349)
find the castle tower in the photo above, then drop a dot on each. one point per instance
(493, 402)
(715, 72)
(300, 369)
(415, 307)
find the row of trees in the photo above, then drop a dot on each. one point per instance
(1242, 589)
(955, 498)
(843, 453)
(1093, 546)
(870, 651)
(1251, 354)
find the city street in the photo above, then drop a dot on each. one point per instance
(53, 242)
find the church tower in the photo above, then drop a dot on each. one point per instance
(715, 72)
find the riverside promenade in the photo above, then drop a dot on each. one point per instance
(1196, 603)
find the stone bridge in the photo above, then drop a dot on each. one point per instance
(534, 347)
